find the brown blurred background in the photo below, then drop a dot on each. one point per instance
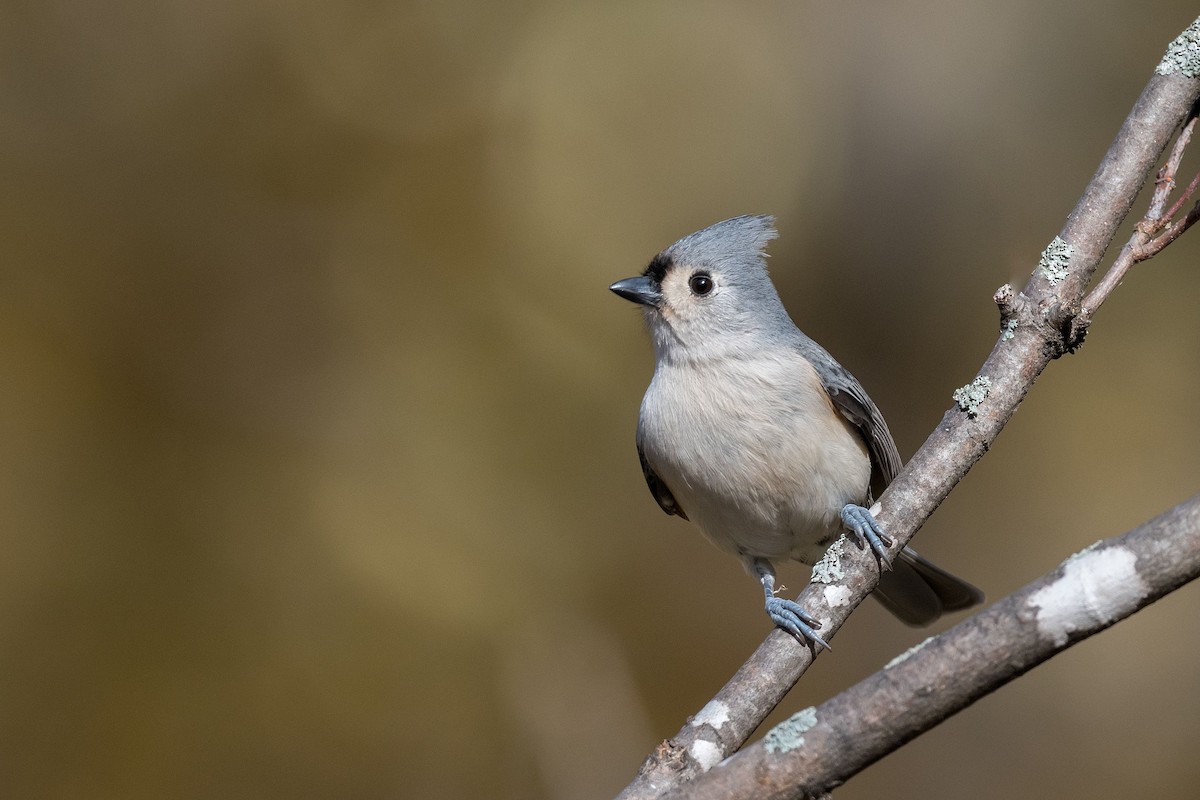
(318, 478)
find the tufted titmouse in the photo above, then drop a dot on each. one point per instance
(754, 432)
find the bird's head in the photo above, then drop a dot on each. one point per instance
(708, 294)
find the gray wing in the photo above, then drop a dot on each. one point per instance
(850, 398)
(661, 493)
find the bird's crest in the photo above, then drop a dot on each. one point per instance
(741, 241)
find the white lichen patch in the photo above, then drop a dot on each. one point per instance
(1055, 260)
(907, 654)
(714, 713)
(970, 397)
(1097, 586)
(829, 569)
(1008, 330)
(837, 596)
(1183, 53)
(706, 754)
(789, 734)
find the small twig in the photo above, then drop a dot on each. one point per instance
(1165, 182)
(1187, 193)
(1158, 243)
(1149, 237)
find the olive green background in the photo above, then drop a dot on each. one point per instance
(317, 474)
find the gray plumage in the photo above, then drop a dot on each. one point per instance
(754, 432)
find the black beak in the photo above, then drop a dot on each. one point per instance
(640, 290)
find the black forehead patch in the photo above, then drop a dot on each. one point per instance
(657, 268)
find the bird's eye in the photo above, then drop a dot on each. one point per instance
(701, 283)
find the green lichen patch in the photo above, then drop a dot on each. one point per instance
(789, 734)
(829, 568)
(1183, 54)
(1054, 260)
(973, 394)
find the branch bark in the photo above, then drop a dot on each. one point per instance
(1038, 324)
(819, 748)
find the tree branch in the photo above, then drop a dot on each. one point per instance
(818, 749)
(1037, 325)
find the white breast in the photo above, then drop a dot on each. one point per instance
(754, 453)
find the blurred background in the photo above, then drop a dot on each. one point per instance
(318, 475)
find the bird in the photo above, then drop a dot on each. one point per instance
(753, 432)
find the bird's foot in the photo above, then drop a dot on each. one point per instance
(862, 524)
(788, 614)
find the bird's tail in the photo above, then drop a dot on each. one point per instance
(918, 591)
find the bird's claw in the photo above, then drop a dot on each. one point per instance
(788, 614)
(865, 527)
